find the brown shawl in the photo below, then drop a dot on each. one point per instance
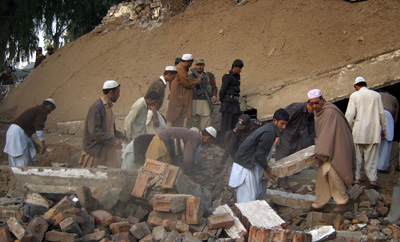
(335, 141)
(181, 95)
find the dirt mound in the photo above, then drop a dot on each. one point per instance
(277, 40)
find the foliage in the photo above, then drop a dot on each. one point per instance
(21, 21)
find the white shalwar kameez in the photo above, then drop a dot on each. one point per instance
(247, 182)
(19, 147)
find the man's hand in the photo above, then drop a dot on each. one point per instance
(271, 174)
(124, 139)
(213, 99)
(383, 134)
(276, 142)
(42, 147)
(318, 161)
(118, 144)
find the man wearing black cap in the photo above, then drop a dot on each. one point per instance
(19, 143)
(233, 138)
(229, 97)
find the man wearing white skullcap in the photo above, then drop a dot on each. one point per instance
(366, 116)
(334, 153)
(181, 94)
(100, 137)
(20, 146)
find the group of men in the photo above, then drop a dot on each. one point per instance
(343, 143)
(39, 55)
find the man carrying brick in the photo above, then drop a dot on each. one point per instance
(251, 159)
(171, 142)
(301, 118)
(334, 153)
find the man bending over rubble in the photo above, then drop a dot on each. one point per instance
(251, 159)
(19, 143)
(171, 142)
(334, 153)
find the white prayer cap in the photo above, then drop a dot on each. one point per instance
(211, 130)
(314, 93)
(170, 68)
(51, 100)
(110, 84)
(187, 57)
(359, 79)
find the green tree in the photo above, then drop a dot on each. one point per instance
(21, 21)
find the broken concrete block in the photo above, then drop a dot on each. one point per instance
(198, 227)
(194, 212)
(103, 217)
(56, 236)
(84, 196)
(124, 237)
(258, 214)
(141, 213)
(218, 221)
(373, 196)
(170, 177)
(88, 222)
(158, 233)
(36, 199)
(140, 185)
(387, 199)
(108, 198)
(140, 230)
(62, 215)
(170, 237)
(38, 226)
(382, 211)
(70, 226)
(355, 192)
(133, 220)
(5, 234)
(315, 219)
(32, 210)
(96, 236)
(323, 233)
(174, 203)
(120, 227)
(154, 166)
(292, 200)
(19, 230)
(294, 163)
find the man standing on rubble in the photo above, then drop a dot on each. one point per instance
(301, 117)
(135, 121)
(334, 153)
(175, 141)
(181, 95)
(229, 96)
(39, 57)
(251, 162)
(100, 137)
(366, 116)
(20, 146)
(204, 96)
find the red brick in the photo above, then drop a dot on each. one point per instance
(38, 226)
(5, 234)
(140, 230)
(169, 178)
(217, 221)
(10, 211)
(387, 199)
(181, 226)
(148, 238)
(154, 166)
(59, 236)
(96, 236)
(280, 235)
(103, 217)
(64, 204)
(161, 204)
(19, 230)
(155, 221)
(62, 215)
(120, 227)
(193, 211)
(125, 237)
(140, 185)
